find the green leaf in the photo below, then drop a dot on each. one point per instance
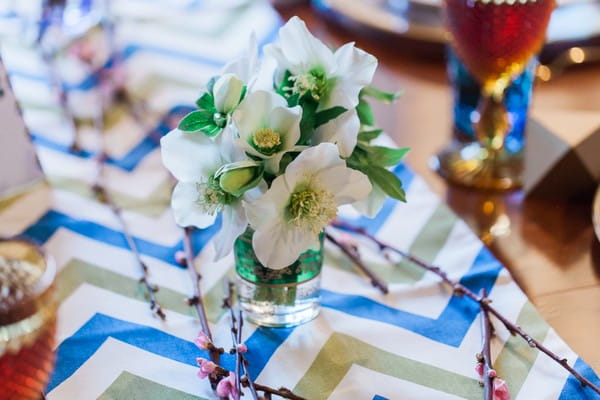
(206, 102)
(358, 159)
(211, 130)
(285, 161)
(196, 120)
(387, 181)
(307, 123)
(365, 113)
(200, 120)
(293, 100)
(367, 136)
(384, 97)
(384, 156)
(322, 117)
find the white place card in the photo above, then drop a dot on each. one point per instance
(19, 166)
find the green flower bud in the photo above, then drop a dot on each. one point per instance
(227, 92)
(236, 178)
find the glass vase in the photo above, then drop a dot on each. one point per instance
(278, 298)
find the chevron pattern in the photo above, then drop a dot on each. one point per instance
(418, 342)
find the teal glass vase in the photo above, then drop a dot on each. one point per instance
(278, 297)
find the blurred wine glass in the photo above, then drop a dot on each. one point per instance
(496, 41)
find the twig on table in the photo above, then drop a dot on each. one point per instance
(196, 301)
(103, 196)
(484, 302)
(63, 102)
(354, 256)
(241, 361)
(281, 392)
(236, 331)
(488, 372)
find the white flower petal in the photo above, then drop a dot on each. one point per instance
(252, 113)
(274, 62)
(234, 224)
(372, 204)
(299, 50)
(286, 122)
(231, 150)
(270, 205)
(355, 64)
(189, 156)
(357, 188)
(311, 161)
(355, 70)
(265, 75)
(343, 131)
(272, 164)
(245, 66)
(277, 245)
(185, 208)
(256, 192)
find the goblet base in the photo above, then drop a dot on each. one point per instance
(472, 165)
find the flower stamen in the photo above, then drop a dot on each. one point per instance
(266, 140)
(211, 198)
(312, 207)
(313, 81)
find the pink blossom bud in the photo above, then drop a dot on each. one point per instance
(206, 367)
(479, 369)
(492, 373)
(500, 390)
(202, 341)
(180, 257)
(242, 348)
(227, 387)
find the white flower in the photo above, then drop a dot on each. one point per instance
(246, 66)
(342, 131)
(333, 78)
(267, 127)
(372, 204)
(198, 197)
(288, 218)
(227, 92)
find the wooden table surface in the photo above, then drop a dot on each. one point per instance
(548, 245)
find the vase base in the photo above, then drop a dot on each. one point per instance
(279, 306)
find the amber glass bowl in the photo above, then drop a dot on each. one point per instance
(27, 320)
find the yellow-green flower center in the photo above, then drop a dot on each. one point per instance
(211, 198)
(266, 139)
(311, 207)
(313, 81)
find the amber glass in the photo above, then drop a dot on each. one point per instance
(27, 320)
(496, 41)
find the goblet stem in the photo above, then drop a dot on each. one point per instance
(493, 124)
(484, 163)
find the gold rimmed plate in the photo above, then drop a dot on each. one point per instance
(573, 23)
